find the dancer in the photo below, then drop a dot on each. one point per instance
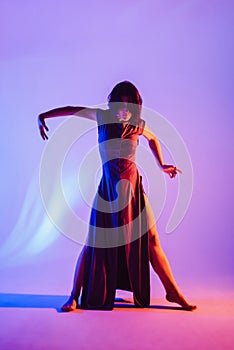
(122, 236)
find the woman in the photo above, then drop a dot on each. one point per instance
(122, 236)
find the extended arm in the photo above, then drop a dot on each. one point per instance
(88, 113)
(154, 144)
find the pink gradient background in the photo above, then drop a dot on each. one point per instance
(180, 56)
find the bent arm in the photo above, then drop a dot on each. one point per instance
(83, 112)
(155, 147)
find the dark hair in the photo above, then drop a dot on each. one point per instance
(125, 88)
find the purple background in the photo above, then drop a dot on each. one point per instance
(180, 56)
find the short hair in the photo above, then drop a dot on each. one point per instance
(126, 88)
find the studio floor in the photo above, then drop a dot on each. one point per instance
(31, 321)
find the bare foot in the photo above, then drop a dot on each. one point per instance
(175, 297)
(70, 305)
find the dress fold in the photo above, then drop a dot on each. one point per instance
(117, 254)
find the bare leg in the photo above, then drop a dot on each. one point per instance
(71, 303)
(161, 266)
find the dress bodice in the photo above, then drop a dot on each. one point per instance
(117, 143)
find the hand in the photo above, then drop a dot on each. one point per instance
(171, 170)
(42, 127)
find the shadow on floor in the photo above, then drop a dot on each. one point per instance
(125, 304)
(40, 301)
(32, 301)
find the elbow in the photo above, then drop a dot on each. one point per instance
(152, 142)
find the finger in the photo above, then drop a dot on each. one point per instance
(173, 173)
(45, 126)
(43, 135)
(179, 170)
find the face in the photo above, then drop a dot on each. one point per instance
(123, 112)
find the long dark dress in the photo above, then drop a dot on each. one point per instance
(117, 255)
